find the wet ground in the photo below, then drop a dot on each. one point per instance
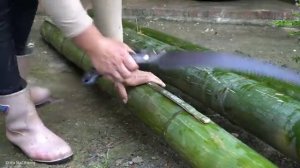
(262, 41)
(100, 130)
(103, 133)
(222, 11)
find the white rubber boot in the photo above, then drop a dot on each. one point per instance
(39, 95)
(25, 129)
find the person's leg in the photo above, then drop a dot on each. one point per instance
(23, 125)
(23, 13)
(9, 73)
(108, 18)
(87, 4)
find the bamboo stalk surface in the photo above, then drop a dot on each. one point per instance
(273, 115)
(202, 145)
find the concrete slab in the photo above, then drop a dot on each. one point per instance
(224, 11)
(237, 11)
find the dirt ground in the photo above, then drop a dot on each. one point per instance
(103, 133)
(100, 130)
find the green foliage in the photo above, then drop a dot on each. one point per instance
(296, 33)
(294, 23)
(296, 58)
(287, 23)
(297, 15)
(104, 163)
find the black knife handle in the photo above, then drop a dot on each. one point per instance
(90, 77)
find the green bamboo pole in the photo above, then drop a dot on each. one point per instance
(171, 40)
(285, 88)
(174, 41)
(267, 113)
(288, 89)
(202, 145)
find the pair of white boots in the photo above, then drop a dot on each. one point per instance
(25, 129)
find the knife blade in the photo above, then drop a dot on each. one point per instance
(208, 59)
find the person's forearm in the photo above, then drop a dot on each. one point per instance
(89, 40)
(68, 15)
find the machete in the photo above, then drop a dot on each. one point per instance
(208, 59)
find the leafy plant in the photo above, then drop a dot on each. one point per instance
(287, 23)
(296, 59)
(290, 22)
(293, 23)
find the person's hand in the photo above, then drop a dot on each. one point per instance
(113, 60)
(136, 78)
